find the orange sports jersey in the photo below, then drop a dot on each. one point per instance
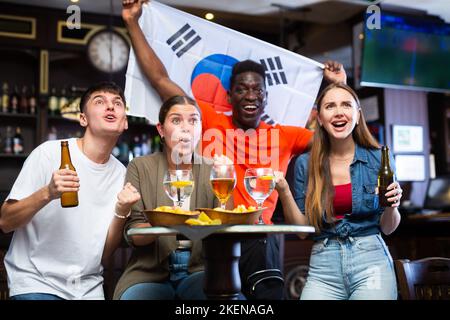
(266, 146)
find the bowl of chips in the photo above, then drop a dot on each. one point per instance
(169, 216)
(239, 215)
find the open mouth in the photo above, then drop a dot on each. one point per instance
(251, 108)
(339, 124)
(184, 140)
(110, 117)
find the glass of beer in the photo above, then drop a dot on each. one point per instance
(259, 184)
(178, 185)
(223, 181)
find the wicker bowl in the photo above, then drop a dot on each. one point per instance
(162, 218)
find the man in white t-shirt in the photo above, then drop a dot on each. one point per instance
(57, 253)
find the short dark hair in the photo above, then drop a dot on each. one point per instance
(106, 86)
(247, 66)
(169, 103)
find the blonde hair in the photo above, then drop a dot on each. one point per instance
(320, 189)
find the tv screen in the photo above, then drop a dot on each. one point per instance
(438, 194)
(407, 52)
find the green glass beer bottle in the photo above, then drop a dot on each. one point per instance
(385, 177)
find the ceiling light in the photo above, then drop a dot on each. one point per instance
(209, 16)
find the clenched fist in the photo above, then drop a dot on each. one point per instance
(132, 9)
(126, 198)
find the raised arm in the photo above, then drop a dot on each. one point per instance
(292, 213)
(147, 59)
(334, 72)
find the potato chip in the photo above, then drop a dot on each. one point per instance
(204, 217)
(175, 210)
(239, 209)
(203, 220)
(195, 222)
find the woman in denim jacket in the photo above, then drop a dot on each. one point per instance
(336, 187)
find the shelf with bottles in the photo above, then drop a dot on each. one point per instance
(12, 142)
(129, 147)
(18, 103)
(63, 104)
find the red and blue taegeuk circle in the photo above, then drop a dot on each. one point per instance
(210, 80)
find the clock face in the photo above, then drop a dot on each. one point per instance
(108, 51)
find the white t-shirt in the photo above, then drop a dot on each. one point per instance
(59, 251)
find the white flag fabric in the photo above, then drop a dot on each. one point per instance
(199, 56)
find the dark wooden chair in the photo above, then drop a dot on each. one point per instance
(424, 279)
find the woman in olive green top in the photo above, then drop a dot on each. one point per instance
(162, 267)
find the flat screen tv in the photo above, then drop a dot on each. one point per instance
(408, 52)
(438, 194)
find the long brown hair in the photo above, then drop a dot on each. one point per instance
(320, 190)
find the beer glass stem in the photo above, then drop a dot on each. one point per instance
(260, 204)
(222, 205)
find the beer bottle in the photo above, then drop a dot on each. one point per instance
(385, 177)
(23, 101)
(8, 141)
(14, 100)
(68, 199)
(5, 98)
(32, 103)
(62, 102)
(53, 103)
(18, 142)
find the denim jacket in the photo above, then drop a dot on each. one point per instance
(364, 219)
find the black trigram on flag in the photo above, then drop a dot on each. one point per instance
(267, 119)
(274, 71)
(183, 40)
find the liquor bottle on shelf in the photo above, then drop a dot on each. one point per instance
(5, 97)
(23, 101)
(18, 142)
(116, 151)
(62, 101)
(124, 149)
(53, 134)
(137, 150)
(53, 103)
(32, 103)
(146, 145)
(8, 141)
(14, 100)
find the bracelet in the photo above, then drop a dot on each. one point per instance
(122, 217)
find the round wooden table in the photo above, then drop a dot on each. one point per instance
(221, 253)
